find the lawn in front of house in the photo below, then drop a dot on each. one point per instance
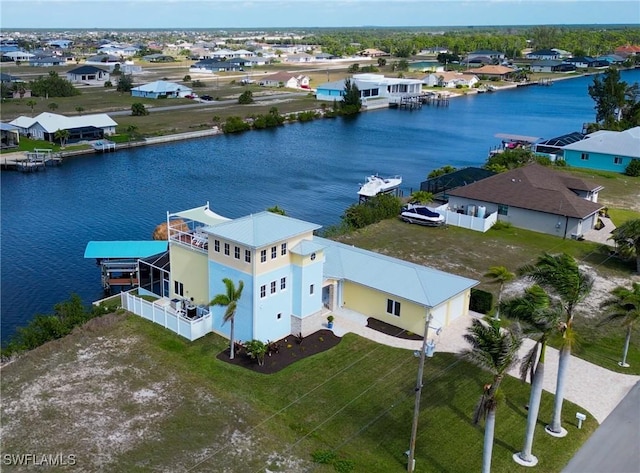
(170, 404)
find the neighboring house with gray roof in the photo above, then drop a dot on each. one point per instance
(292, 280)
(88, 74)
(604, 150)
(533, 197)
(161, 89)
(81, 127)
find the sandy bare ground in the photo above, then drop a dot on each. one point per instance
(100, 398)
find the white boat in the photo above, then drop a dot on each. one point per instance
(421, 214)
(375, 185)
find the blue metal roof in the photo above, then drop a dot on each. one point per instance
(124, 249)
(420, 284)
(261, 229)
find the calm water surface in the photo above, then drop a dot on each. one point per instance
(312, 170)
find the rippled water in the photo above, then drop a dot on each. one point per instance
(312, 170)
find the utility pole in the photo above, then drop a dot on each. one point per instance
(416, 410)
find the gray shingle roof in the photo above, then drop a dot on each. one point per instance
(533, 187)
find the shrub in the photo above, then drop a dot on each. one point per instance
(246, 98)
(43, 328)
(480, 301)
(256, 350)
(235, 125)
(324, 457)
(633, 169)
(375, 209)
(138, 109)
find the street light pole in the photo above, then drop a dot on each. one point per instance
(416, 410)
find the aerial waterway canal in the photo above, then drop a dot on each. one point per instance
(312, 170)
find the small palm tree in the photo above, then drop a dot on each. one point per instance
(53, 106)
(627, 237)
(540, 320)
(496, 351)
(79, 109)
(561, 275)
(132, 132)
(500, 275)
(623, 306)
(230, 301)
(31, 104)
(62, 136)
(422, 197)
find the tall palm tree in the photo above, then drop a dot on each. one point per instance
(562, 276)
(500, 275)
(627, 236)
(540, 319)
(496, 351)
(624, 306)
(230, 301)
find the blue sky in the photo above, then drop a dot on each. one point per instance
(88, 14)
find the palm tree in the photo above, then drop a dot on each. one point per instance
(53, 106)
(540, 319)
(624, 306)
(561, 275)
(501, 275)
(627, 236)
(132, 132)
(496, 351)
(62, 136)
(422, 197)
(31, 104)
(230, 301)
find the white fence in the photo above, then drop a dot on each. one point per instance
(468, 221)
(167, 317)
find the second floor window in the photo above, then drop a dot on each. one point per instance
(263, 256)
(226, 249)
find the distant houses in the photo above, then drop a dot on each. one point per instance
(161, 89)
(286, 79)
(80, 128)
(604, 150)
(376, 90)
(88, 75)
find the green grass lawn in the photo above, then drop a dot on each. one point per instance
(355, 400)
(470, 254)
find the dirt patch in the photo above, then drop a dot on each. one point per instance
(284, 352)
(590, 307)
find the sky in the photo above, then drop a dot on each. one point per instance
(220, 14)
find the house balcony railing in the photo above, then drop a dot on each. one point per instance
(194, 239)
(161, 312)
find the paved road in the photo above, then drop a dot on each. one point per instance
(615, 445)
(215, 103)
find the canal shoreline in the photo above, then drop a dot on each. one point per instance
(10, 161)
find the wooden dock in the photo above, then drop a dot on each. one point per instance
(31, 161)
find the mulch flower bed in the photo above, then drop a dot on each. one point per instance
(286, 351)
(391, 330)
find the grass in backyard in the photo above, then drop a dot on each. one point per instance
(171, 404)
(619, 216)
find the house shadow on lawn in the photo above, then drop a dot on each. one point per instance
(284, 352)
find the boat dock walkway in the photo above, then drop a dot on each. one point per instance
(29, 161)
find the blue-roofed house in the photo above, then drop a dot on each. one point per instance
(604, 150)
(161, 89)
(292, 280)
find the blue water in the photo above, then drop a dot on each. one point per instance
(312, 170)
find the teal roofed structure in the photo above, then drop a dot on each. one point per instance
(124, 249)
